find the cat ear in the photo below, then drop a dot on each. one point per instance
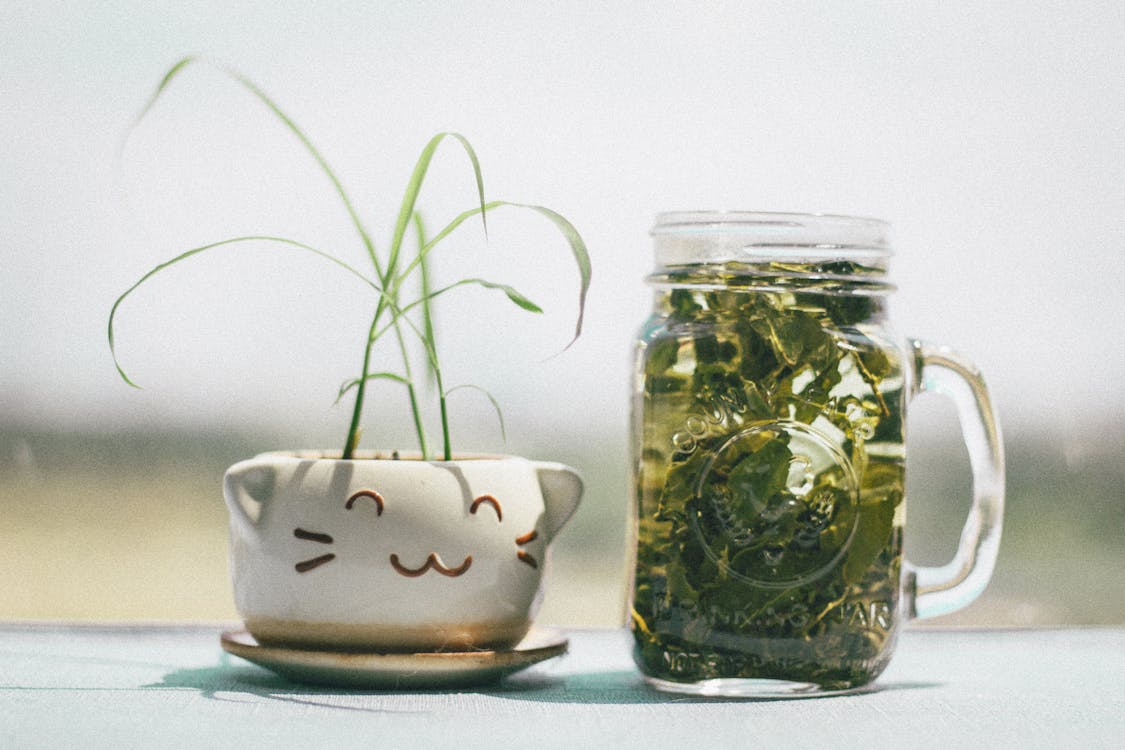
(562, 489)
(247, 487)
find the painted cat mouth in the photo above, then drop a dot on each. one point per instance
(434, 562)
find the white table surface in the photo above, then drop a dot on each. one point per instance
(80, 686)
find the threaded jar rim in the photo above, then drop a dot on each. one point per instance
(691, 237)
(831, 253)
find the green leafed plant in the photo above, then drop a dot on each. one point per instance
(406, 322)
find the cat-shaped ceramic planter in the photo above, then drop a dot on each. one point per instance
(393, 555)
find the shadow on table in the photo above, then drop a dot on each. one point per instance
(242, 684)
(226, 682)
(627, 687)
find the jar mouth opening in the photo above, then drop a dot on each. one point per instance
(690, 237)
(713, 216)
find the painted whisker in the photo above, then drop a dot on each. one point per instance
(306, 565)
(312, 536)
(522, 555)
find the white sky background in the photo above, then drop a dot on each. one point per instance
(991, 135)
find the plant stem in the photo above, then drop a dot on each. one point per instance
(447, 448)
(415, 410)
(431, 353)
(388, 297)
(426, 288)
(444, 425)
(361, 389)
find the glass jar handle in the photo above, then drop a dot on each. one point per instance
(939, 590)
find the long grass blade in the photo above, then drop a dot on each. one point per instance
(513, 294)
(414, 186)
(574, 241)
(431, 353)
(491, 398)
(388, 278)
(164, 82)
(369, 245)
(427, 248)
(426, 289)
(167, 79)
(365, 237)
(253, 88)
(581, 259)
(412, 394)
(354, 382)
(203, 248)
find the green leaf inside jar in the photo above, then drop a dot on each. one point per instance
(753, 561)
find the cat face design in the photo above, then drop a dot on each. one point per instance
(406, 565)
(393, 555)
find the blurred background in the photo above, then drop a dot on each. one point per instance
(992, 138)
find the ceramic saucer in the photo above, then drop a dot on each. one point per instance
(389, 671)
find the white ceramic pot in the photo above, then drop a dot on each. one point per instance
(393, 555)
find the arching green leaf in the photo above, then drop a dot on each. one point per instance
(349, 384)
(489, 396)
(196, 251)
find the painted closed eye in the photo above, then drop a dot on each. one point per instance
(487, 500)
(372, 495)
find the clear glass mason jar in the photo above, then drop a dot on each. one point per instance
(768, 459)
